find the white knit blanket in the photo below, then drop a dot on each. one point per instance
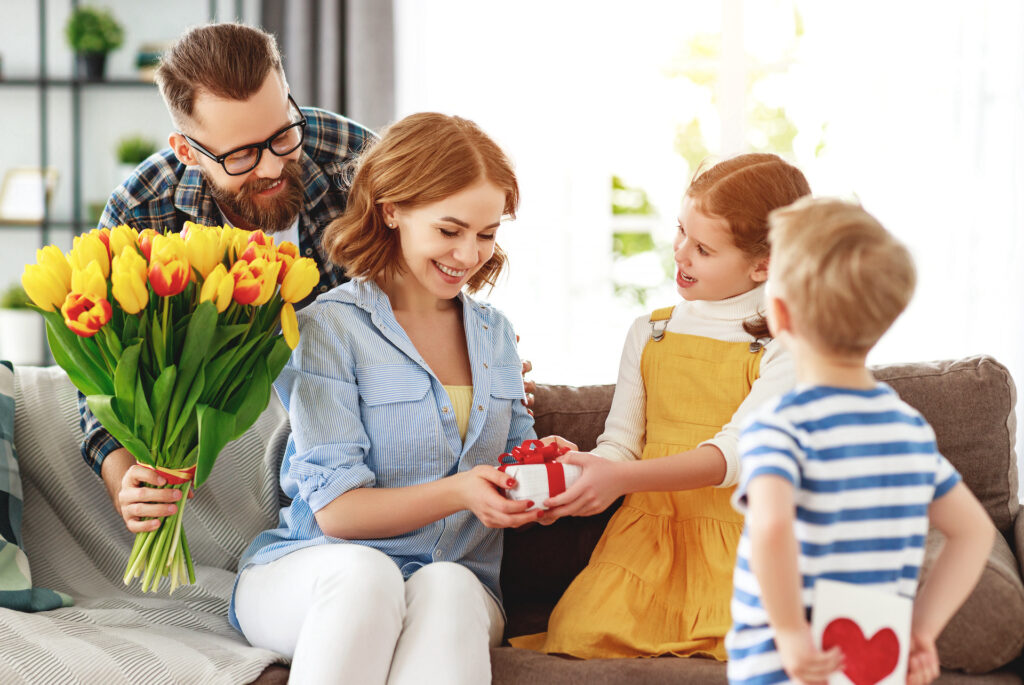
(76, 543)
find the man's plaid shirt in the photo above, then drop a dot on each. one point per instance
(163, 193)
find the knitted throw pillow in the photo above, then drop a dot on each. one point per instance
(16, 591)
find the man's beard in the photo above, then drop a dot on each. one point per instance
(272, 215)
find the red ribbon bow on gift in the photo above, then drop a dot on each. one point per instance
(536, 452)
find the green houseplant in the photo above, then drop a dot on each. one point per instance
(131, 150)
(92, 32)
(134, 149)
(21, 336)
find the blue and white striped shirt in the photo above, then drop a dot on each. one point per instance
(366, 411)
(865, 467)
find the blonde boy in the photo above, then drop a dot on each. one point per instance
(840, 478)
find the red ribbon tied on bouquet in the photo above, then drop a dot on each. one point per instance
(173, 476)
(536, 452)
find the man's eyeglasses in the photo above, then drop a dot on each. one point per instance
(244, 159)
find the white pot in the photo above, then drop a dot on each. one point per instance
(22, 338)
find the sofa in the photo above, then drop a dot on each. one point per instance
(115, 634)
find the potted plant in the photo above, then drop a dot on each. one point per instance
(131, 151)
(92, 32)
(21, 336)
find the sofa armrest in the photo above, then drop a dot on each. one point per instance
(1018, 542)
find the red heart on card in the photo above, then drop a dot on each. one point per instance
(866, 661)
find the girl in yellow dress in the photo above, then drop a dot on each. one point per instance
(660, 579)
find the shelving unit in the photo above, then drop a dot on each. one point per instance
(44, 84)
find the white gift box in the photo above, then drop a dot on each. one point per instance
(532, 481)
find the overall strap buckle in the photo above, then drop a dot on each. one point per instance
(659, 322)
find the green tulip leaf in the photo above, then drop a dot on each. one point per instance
(102, 406)
(215, 428)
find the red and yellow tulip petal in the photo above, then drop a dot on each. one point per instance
(168, 279)
(85, 315)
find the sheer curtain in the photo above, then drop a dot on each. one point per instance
(338, 55)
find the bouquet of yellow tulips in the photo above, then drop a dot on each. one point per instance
(173, 339)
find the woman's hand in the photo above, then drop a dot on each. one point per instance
(597, 487)
(479, 492)
(803, 661)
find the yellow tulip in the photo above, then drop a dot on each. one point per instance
(289, 325)
(129, 258)
(52, 259)
(203, 248)
(89, 281)
(302, 277)
(90, 248)
(218, 288)
(121, 237)
(44, 287)
(129, 286)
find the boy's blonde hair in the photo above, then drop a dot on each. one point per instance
(844, 277)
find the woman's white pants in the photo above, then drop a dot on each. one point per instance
(344, 614)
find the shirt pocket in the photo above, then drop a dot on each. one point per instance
(506, 390)
(399, 417)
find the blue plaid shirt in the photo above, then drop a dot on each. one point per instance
(163, 193)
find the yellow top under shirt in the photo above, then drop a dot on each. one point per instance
(462, 402)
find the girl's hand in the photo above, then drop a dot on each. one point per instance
(560, 441)
(598, 486)
(923, 664)
(479, 492)
(803, 661)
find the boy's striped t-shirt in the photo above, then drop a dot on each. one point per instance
(865, 467)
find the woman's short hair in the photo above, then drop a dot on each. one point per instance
(420, 159)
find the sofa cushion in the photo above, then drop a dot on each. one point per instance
(114, 633)
(575, 413)
(16, 591)
(988, 630)
(976, 436)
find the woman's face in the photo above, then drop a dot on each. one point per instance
(445, 242)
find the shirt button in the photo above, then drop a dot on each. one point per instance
(308, 251)
(480, 407)
(485, 365)
(437, 553)
(323, 288)
(485, 327)
(444, 409)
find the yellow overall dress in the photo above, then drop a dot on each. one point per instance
(660, 578)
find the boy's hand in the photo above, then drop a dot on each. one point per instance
(597, 487)
(923, 664)
(803, 661)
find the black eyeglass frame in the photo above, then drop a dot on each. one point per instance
(259, 147)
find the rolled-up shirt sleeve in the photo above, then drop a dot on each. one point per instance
(326, 454)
